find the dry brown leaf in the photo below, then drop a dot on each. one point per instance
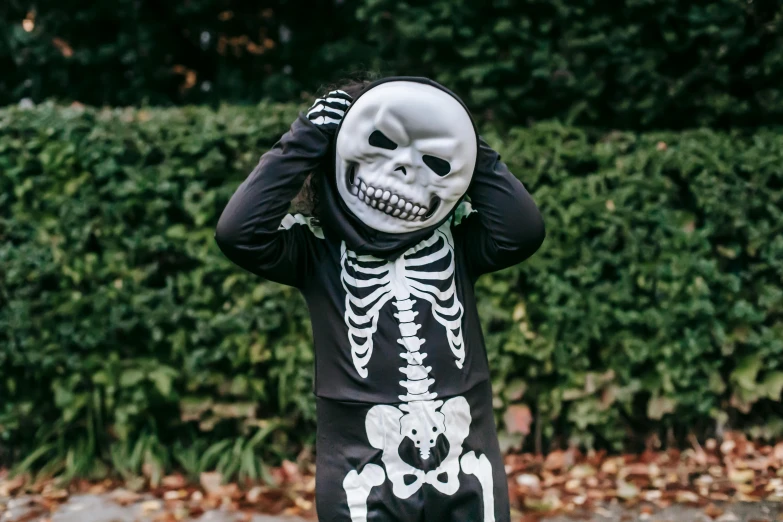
(627, 490)
(727, 446)
(558, 460)
(175, 494)
(741, 475)
(581, 471)
(529, 481)
(777, 452)
(713, 511)
(579, 500)
(30, 516)
(98, 489)
(165, 517)
(548, 503)
(211, 481)
(63, 46)
(150, 506)
(124, 497)
(10, 486)
(254, 495)
(226, 493)
(304, 505)
(611, 466)
(686, 497)
(291, 472)
(54, 494)
(175, 481)
(518, 419)
(637, 468)
(758, 463)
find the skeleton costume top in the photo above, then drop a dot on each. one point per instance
(405, 424)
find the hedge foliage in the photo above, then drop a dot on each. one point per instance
(125, 52)
(127, 339)
(635, 64)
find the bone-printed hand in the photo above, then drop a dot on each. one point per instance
(327, 112)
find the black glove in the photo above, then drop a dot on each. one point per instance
(327, 112)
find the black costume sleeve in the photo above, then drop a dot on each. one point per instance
(507, 227)
(249, 231)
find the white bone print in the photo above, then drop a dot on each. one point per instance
(421, 417)
(406, 276)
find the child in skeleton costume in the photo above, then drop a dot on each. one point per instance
(404, 405)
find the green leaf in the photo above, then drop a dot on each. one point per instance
(131, 377)
(657, 407)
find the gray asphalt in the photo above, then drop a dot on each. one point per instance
(740, 512)
(94, 508)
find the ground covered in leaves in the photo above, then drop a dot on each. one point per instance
(704, 481)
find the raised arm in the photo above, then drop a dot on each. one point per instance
(506, 227)
(249, 231)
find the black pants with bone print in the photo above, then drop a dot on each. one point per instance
(348, 440)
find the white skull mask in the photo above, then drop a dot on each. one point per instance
(405, 155)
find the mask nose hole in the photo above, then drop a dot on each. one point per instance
(402, 169)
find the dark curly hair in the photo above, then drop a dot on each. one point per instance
(306, 202)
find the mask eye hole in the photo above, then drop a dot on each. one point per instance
(379, 139)
(439, 166)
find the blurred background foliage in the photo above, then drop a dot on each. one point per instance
(635, 64)
(129, 343)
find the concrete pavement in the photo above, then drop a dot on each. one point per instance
(101, 508)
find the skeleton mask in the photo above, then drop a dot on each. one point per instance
(405, 155)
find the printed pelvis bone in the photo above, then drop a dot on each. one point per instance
(385, 432)
(423, 423)
(421, 418)
(405, 155)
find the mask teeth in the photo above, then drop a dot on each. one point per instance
(385, 201)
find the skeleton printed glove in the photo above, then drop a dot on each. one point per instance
(327, 112)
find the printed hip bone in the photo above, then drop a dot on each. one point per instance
(421, 417)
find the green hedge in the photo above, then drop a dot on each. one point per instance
(126, 338)
(636, 64)
(125, 52)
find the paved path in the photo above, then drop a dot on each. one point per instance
(743, 512)
(93, 508)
